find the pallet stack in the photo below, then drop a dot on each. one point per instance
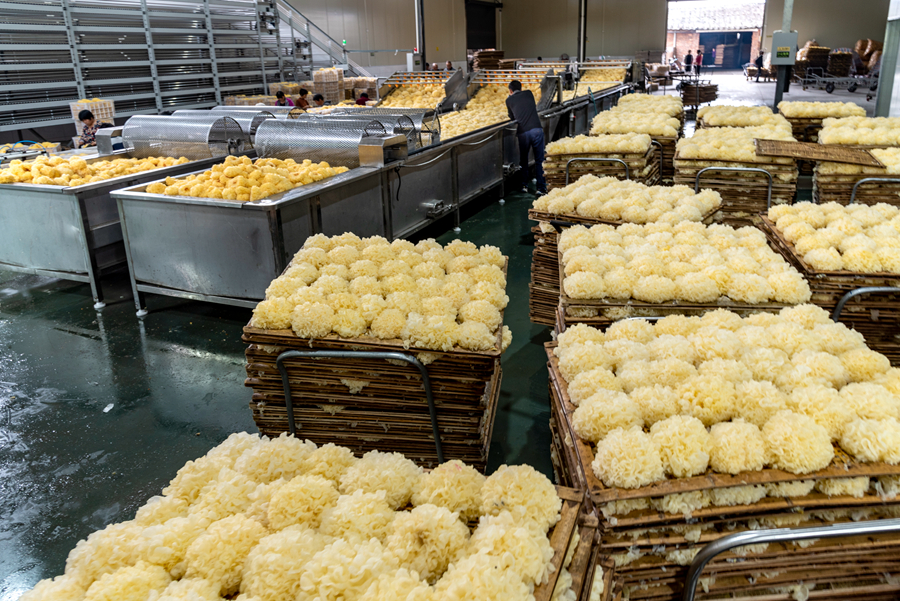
(330, 84)
(695, 94)
(647, 542)
(875, 316)
(839, 63)
(487, 60)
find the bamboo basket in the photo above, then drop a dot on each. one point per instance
(643, 167)
(744, 195)
(876, 317)
(650, 534)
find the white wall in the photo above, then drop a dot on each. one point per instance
(389, 24)
(833, 23)
(614, 27)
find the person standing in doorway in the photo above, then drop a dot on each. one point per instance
(522, 109)
(688, 63)
(698, 62)
(759, 65)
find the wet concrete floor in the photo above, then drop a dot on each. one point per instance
(99, 410)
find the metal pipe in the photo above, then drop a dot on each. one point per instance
(779, 535)
(786, 15)
(745, 170)
(839, 308)
(582, 30)
(420, 29)
(597, 160)
(658, 143)
(387, 356)
(871, 180)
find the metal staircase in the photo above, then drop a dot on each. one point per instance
(150, 55)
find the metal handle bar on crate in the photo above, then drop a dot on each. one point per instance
(742, 169)
(838, 309)
(386, 355)
(871, 180)
(658, 143)
(779, 535)
(588, 160)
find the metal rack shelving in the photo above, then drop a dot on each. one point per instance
(149, 55)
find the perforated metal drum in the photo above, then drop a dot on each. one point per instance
(336, 143)
(280, 112)
(248, 120)
(425, 122)
(400, 125)
(192, 137)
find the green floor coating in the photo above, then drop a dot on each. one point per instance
(99, 410)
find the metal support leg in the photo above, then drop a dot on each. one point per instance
(139, 300)
(90, 255)
(454, 192)
(738, 169)
(780, 535)
(597, 160)
(386, 355)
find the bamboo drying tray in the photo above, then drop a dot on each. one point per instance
(643, 167)
(649, 531)
(876, 317)
(561, 536)
(744, 195)
(367, 404)
(601, 313)
(842, 466)
(544, 287)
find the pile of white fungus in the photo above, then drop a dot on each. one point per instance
(728, 394)
(604, 144)
(624, 200)
(429, 296)
(659, 262)
(862, 131)
(734, 144)
(282, 520)
(832, 237)
(742, 116)
(819, 110)
(642, 114)
(889, 157)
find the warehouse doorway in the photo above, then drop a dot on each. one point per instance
(726, 31)
(481, 24)
(727, 49)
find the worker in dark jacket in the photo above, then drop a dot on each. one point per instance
(521, 107)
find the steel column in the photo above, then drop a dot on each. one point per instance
(151, 54)
(210, 42)
(73, 48)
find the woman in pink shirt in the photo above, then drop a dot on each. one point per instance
(698, 62)
(282, 100)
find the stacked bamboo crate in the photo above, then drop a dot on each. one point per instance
(369, 404)
(487, 60)
(875, 316)
(744, 194)
(643, 167)
(646, 550)
(836, 184)
(697, 93)
(633, 107)
(806, 120)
